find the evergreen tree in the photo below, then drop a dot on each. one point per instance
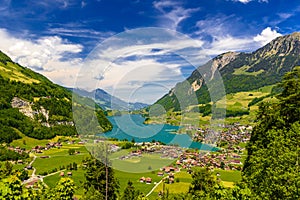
(100, 177)
(129, 192)
(272, 167)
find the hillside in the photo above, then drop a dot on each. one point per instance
(240, 72)
(109, 102)
(33, 105)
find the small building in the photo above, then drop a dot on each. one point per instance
(20, 161)
(142, 179)
(29, 167)
(62, 174)
(44, 157)
(160, 173)
(69, 173)
(148, 180)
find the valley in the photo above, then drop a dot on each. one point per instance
(186, 145)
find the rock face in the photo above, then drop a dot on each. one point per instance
(282, 46)
(239, 72)
(25, 108)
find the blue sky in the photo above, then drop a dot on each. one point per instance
(56, 38)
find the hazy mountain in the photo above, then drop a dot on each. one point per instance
(109, 102)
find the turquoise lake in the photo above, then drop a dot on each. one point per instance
(131, 127)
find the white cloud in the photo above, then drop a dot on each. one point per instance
(244, 1)
(138, 58)
(127, 62)
(173, 12)
(48, 55)
(229, 43)
(247, 1)
(266, 36)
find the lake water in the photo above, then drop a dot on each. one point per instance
(131, 127)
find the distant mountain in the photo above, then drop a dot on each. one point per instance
(109, 102)
(32, 105)
(239, 72)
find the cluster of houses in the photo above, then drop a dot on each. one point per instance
(39, 149)
(169, 171)
(18, 150)
(230, 135)
(166, 151)
(220, 160)
(147, 180)
(62, 174)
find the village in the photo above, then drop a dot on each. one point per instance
(229, 156)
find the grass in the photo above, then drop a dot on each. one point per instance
(124, 177)
(27, 142)
(146, 163)
(48, 164)
(243, 71)
(182, 186)
(229, 176)
(59, 157)
(77, 176)
(12, 71)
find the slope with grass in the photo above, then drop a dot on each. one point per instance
(240, 72)
(32, 105)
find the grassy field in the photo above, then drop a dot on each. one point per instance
(123, 178)
(28, 142)
(146, 163)
(59, 157)
(11, 71)
(228, 179)
(182, 186)
(228, 176)
(77, 176)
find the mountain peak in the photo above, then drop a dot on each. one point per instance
(282, 46)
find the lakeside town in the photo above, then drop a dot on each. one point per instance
(229, 156)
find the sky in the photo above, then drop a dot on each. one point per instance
(136, 49)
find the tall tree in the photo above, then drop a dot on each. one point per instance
(100, 176)
(271, 169)
(65, 189)
(129, 192)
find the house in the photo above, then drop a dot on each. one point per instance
(148, 180)
(142, 179)
(171, 175)
(160, 173)
(29, 167)
(31, 183)
(69, 173)
(171, 180)
(20, 161)
(44, 157)
(62, 174)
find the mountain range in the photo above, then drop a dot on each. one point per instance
(109, 102)
(33, 106)
(238, 71)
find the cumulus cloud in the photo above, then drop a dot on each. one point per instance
(48, 55)
(130, 61)
(266, 36)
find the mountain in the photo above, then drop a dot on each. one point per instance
(32, 105)
(109, 102)
(239, 72)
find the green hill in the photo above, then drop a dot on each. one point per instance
(240, 72)
(33, 105)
